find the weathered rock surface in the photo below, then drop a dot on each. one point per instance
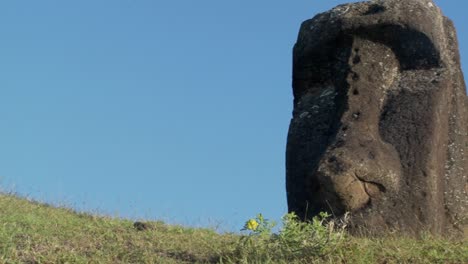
(380, 120)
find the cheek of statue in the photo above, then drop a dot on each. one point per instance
(358, 166)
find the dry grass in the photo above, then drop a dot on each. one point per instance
(36, 233)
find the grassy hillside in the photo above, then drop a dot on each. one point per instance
(35, 233)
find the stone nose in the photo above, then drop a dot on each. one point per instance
(366, 155)
(338, 178)
(359, 168)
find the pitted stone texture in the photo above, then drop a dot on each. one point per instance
(380, 122)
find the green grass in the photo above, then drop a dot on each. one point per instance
(31, 232)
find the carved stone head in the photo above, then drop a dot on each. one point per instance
(380, 120)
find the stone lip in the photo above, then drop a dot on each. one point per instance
(380, 119)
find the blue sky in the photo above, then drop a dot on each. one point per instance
(172, 110)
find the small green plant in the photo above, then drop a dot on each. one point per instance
(296, 240)
(318, 237)
(257, 243)
(259, 226)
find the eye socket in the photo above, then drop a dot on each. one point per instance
(375, 9)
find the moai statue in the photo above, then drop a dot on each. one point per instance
(380, 119)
